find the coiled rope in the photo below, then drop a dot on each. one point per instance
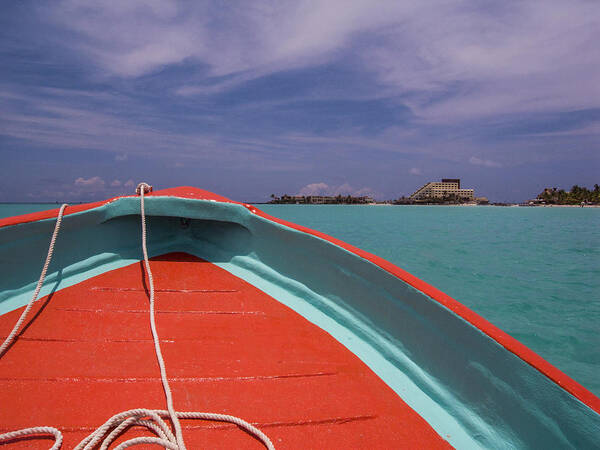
(152, 419)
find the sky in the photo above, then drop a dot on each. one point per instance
(249, 99)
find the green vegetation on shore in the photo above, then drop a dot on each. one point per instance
(575, 196)
(320, 199)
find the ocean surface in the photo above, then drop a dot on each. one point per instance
(533, 272)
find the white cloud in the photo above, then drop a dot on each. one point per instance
(483, 162)
(415, 171)
(129, 183)
(343, 189)
(137, 38)
(491, 58)
(158, 34)
(366, 192)
(52, 122)
(115, 183)
(93, 183)
(315, 189)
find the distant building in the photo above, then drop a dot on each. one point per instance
(320, 199)
(452, 180)
(289, 199)
(448, 188)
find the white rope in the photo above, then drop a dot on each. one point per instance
(114, 426)
(151, 419)
(7, 437)
(15, 330)
(161, 362)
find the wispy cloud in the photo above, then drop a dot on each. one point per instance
(48, 120)
(483, 162)
(315, 189)
(465, 60)
(136, 38)
(91, 188)
(476, 59)
(90, 183)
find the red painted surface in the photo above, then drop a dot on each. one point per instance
(507, 341)
(88, 354)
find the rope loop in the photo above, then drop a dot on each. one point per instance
(25, 432)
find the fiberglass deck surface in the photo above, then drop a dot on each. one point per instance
(86, 353)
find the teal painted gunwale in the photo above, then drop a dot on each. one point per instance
(471, 390)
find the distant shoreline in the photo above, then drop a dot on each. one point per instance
(562, 206)
(507, 205)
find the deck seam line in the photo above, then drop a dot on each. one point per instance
(174, 379)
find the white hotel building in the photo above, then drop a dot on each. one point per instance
(447, 188)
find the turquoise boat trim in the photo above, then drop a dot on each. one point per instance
(470, 389)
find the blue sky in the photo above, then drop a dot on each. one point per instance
(247, 99)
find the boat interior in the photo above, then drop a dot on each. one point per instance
(314, 344)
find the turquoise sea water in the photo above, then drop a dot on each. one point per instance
(534, 272)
